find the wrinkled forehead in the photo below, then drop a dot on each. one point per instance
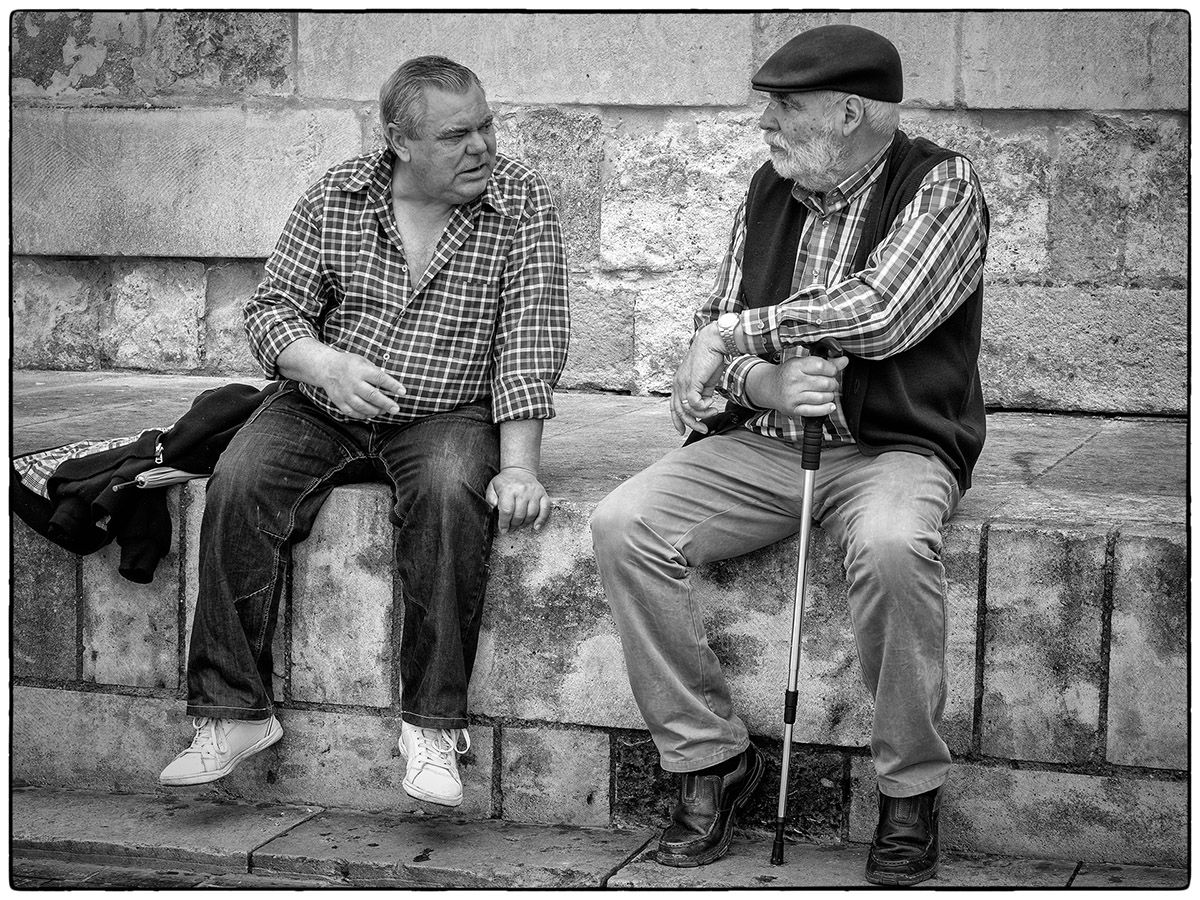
(447, 111)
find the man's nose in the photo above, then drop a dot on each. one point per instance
(767, 121)
(477, 143)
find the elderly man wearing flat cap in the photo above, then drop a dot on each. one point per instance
(853, 231)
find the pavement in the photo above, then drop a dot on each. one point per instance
(175, 839)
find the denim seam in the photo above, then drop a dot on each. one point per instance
(436, 721)
(218, 706)
(276, 557)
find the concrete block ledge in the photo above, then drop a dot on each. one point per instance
(1066, 572)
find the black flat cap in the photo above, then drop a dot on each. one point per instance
(835, 58)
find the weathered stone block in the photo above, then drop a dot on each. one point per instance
(1118, 204)
(192, 499)
(342, 584)
(926, 41)
(1084, 348)
(1050, 59)
(44, 601)
(353, 761)
(602, 335)
(180, 182)
(143, 56)
(666, 59)
(554, 776)
(672, 186)
(155, 315)
(564, 147)
(1042, 665)
(226, 349)
(130, 631)
(547, 629)
(961, 543)
(664, 312)
(1038, 814)
(1148, 467)
(129, 739)
(57, 308)
(1148, 665)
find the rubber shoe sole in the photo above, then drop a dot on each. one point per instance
(258, 746)
(897, 879)
(678, 861)
(417, 794)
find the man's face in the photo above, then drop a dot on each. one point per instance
(454, 156)
(805, 145)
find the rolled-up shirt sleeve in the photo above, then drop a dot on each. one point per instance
(534, 326)
(292, 294)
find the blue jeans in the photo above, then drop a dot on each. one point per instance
(266, 490)
(730, 494)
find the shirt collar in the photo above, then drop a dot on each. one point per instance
(847, 189)
(373, 173)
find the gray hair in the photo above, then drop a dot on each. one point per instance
(881, 117)
(402, 97)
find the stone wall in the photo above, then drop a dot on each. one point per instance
(155, 156)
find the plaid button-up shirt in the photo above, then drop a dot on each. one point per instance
(488, 317)
(928, 264)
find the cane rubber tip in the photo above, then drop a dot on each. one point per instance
(777, 854)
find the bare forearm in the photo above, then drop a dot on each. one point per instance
(307, 360)
(521, 444)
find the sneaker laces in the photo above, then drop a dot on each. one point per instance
(436, 747)
(209, 741)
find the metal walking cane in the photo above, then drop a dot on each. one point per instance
(810, 461)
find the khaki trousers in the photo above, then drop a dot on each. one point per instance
(730, 494)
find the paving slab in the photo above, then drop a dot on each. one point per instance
(164, 826)
(438, 852)
(1142, 878)
(66, 873)
(831, 866)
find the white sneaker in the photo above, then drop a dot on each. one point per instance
(217, 748)
(432, 771)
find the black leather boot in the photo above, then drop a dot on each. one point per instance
(905, 847)
(702, 821)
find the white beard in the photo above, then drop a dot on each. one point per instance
(816, 166)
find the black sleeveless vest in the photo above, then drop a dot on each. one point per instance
(926, 400)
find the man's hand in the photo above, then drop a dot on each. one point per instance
(692, 393)
(798, 386)
(519, 499)
(358, 387)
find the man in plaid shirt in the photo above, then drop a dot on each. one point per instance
(858, 233)
(416, 308)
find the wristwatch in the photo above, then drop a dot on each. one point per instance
(726, 323)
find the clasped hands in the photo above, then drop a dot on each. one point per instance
(362, 390)
(798, 386)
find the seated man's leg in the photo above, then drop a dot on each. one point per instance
(887, 513)
(440, 467)
(266, 490)
(714, 499)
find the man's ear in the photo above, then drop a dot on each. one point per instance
(851, 114)
(397, 141)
